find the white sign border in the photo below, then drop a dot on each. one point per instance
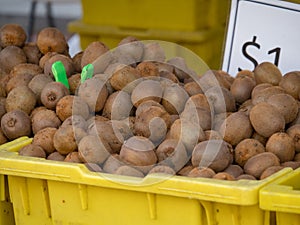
(232, 24)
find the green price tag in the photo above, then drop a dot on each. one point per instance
(87, 72)
(60, 74)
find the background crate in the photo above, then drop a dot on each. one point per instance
(188, 15)
(283, 198)
(207, 44)
(48, 192)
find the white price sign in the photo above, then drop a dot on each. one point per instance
(264, 30)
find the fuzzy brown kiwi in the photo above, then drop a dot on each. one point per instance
(21, 98)
(71, 105)
(12, 34)
(256, 165)
(16, 124)
(32, 150)
(45, 58)
(44, 138)
(3, 138)
(215, 154)
(37, 83)
(294, 133)
(77, 61)
(94, 92)
(118, 106)
(9, 53)
(286, 105)
(56, 156)
(18, 80)
(246, 149)
(236, 128)
(92, 150)
(66, 61)
(282, 145)
(267, 72)
(74, 82)
(220, 99)
(241, 88)
(266, 119)
(76, 121)
(32, 52)
(66, 139)
(2, 106)
(52, 92)
(51, 39)
(201, 172)
(43, 118)
(266, 93)
(291, 83)
(92, 52)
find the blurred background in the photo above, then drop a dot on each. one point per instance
(198, 25)
(35, 15)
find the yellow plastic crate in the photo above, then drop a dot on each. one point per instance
(207, 44)
(6, 207)
(48, 192)
(283, 198)
(188, 15)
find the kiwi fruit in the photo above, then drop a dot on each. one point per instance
(204, 172)
(246, 149)
(32, 52)
(66, 61)
(21, 98)
(282, 145)
(94, 92)
(215, 154)
(266, 119)
(18, 80)
(32, 150)
(264, 94)
(44, 138)
(26, 68)
(74, 82)
(45, 58)
(92, 52)
(56, 156)
(3, 138)
(146, 90)
(2, 106)
(286, 105)
(257, 164)
(37, 84)
(52, 93)
(9, 53)
(236, 128)
(291, 83)
(71, 105)
(220, 99)
(66, 139)
(76, 121)
(294, 133)
(241, 88)
(51, 39)
(267, 72)
(43, 118)
(234, 170)
(92, 150)
(16, 123)
(12, 34)
(73, 157)
(77, 61)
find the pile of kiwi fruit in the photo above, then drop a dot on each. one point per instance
(141, 113)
